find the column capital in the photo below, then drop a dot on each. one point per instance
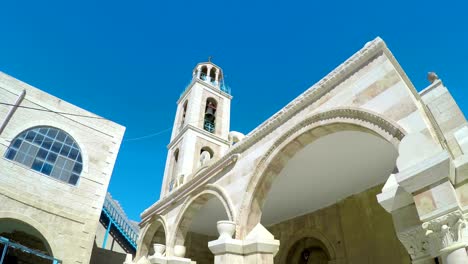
(445, 233)
(416, 243)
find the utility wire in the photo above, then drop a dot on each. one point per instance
(51, 111)
(148, 136)
(97, 117)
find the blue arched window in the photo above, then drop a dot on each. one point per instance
(49, 151)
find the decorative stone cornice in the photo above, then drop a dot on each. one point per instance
(199, 130)
(183, 191)
(445, 233)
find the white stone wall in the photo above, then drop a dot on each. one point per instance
(67, 214)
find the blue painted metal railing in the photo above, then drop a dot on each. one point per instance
(222, 85)
(9, 244)
(209, 126)
(120, 222)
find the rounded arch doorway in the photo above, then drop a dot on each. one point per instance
(308, 251)
(21, 233)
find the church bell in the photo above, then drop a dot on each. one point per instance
(210, 113)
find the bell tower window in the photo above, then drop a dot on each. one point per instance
(173, 181)
(203, 73)
(210, 115)
(184, 113)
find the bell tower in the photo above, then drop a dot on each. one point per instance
(201, 126)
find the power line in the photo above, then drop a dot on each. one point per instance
(97, 117)
(51, 111)
(148, 136)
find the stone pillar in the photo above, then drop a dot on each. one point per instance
(424, 261)
(217, 76)
(198, 72)
(259, 247)
(208, 73)
(457, 256)
(445, 237)
(423, 202)
(226, 249)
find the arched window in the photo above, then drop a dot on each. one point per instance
(206, 154)
(49, 151)
(184, 113)
(210, 115)
(204, 73)
(173, 181)
(209, 150)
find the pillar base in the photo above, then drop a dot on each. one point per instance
(259, 247)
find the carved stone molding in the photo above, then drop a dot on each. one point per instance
(416, 242)
(445, 233)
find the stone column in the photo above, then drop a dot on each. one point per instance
(423, 202)
(424, 261)
(198, 72)
(217, 77)
(445, 237)
(226, 249)
(259, 247)
(208, 73)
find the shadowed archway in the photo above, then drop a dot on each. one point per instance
(196, 223)
(359, 124)
(26, 235)
(153, 233)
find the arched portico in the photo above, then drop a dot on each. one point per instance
(295, 139)
(28, 232)
(153, 233)
(191, 207)
(193, 218)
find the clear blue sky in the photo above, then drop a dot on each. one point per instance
(129, 60)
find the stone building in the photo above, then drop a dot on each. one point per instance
(360, 168)
(55, 166)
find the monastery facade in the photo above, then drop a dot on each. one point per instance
(360, 168)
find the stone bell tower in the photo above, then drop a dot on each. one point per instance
(201, 126)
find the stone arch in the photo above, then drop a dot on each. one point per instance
(303, 133)
(296, 237)
(192, 204)
(46, 234)
(151, 233)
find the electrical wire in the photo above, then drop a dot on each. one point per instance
(51, 111)
(157, 133)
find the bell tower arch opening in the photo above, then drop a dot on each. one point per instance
(210, 115)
